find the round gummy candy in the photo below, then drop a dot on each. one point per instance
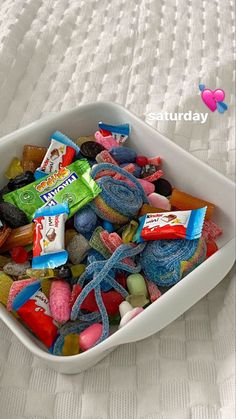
(90, 149)
(19, 254)
(12, 215)
(163, 187)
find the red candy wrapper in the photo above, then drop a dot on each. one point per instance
(171, 225)
(32, 305)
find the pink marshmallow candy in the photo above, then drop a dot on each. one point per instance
(159, 201)
(148, 187)
(59, 300)
(89, 336)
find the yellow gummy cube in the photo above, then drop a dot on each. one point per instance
(5, 284)
(71, 345)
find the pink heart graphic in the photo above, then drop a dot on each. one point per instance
(210, 98)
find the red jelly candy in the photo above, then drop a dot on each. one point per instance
(19, 254)
(111, 299)
(121, 278)
(211, 248)
(141, 161)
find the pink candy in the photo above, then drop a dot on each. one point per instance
(16, 287)
(153, 290)
(107, 142)
(210, 230)
(112, 241)
(89, 336)
(159, 201)
(155, 176)
(148, 187)
(105, 157)
(59, 300)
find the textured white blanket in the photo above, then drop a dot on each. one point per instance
(149, 55)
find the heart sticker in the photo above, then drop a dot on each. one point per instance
(213, 99)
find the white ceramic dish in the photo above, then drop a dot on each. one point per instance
(186, 173)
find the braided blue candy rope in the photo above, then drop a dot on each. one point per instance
(105, 318)
(120, 196)
(100, 270)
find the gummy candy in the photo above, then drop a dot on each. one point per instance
(20, 181)
(77, 270)
(32, 157)
(71, 344)
(12, 215)
(4, 233)
(163, 187)
(14, 169)
(16, 269)
(136, 284)
(19, 254)
(59, 300)
(4, 260)
(129, 231)
(184, 201)
(89, 336)
(20, 236)
(211, 248)
(5, 285)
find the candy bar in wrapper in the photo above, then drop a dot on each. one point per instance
(49, 234)
(32, 305)
(72, 184)
(60, 153)
(171, 225)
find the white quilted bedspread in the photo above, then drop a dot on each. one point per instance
(149, 55)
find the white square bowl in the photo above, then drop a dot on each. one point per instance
(186, 173)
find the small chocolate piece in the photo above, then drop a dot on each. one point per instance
(163, 187)
(12, 215)
(21, 180)
(90, 149)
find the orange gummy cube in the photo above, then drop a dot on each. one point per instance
(184, 201)
(20, 236)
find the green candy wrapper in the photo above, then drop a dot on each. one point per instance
(72, 184)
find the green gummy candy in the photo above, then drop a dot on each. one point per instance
(72, 184)
(136, 284)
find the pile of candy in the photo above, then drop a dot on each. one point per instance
(91, 233)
